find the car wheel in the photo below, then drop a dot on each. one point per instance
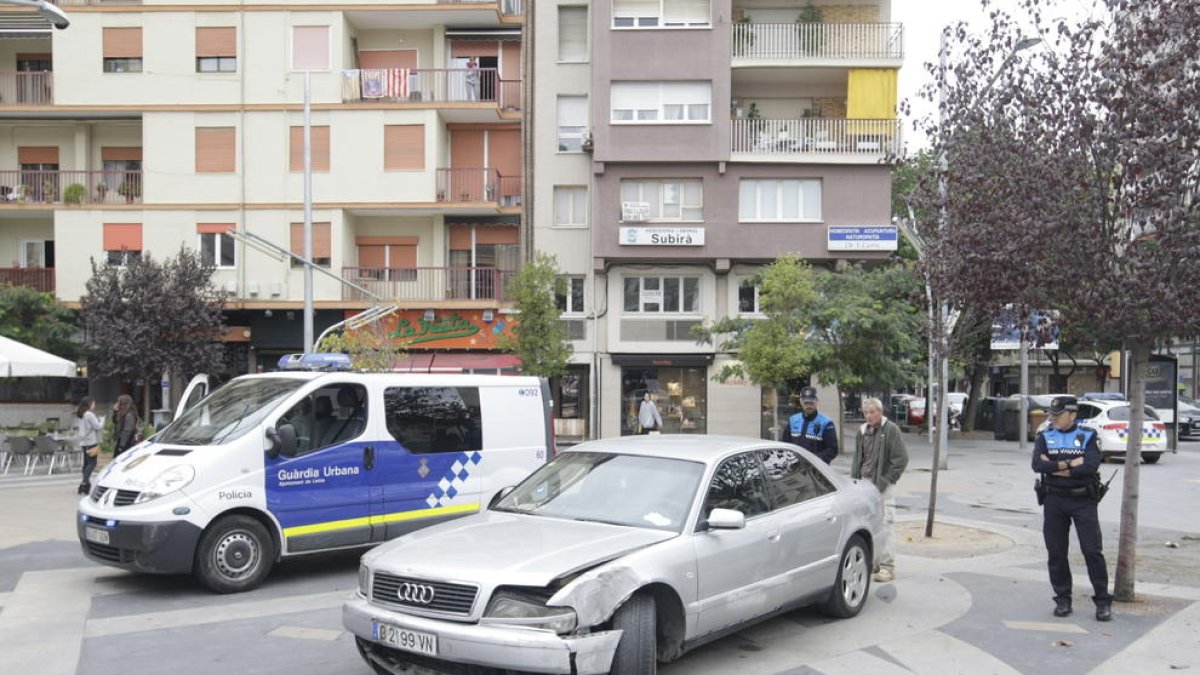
(637, 653)
(1151, 459)
(849, 591)
(234, 555)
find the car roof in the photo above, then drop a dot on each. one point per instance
(695, 447)
(409, 379)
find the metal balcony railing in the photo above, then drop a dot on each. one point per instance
(478, 185)
(38, 278)
(427, 283)
(26, 88)
(507, 7)
(816, 136)
(70, 187)
(846, 41)
(430, 85)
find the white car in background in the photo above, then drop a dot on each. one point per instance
(1110, 421)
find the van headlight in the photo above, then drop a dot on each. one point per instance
(174, 478)
(517, 608)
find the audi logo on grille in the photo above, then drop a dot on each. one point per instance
(417, 594)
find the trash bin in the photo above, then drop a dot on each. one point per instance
(985, 414)
(1036, 417)
(1007, 414)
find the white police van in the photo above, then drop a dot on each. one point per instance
(286, 463)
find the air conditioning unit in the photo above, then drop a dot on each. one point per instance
(276, 289)
(635, 212)
(252, 288)
(231, 287)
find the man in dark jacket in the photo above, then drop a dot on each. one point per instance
(880, 457)
(811, 429)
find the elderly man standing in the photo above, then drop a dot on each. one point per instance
(880, 457)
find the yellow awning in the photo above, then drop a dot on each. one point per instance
(871, 94)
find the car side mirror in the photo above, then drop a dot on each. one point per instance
(283, 441)
(726, 519)
(500, 494)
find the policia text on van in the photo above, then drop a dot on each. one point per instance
(284, 463)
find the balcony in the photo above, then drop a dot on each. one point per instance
(815, 140)
(430, 85)
(38, 278)
(432, 284)
(507, 7)
(20, 89)
(70, 187)
(788, 43)
(478, 185)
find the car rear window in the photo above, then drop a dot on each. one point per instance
(1121, 413)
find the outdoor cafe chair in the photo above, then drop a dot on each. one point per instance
(21, 446)
(48, 449)
(5, 454)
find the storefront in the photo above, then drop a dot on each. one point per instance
(677, 384)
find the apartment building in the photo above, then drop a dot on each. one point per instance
(679, 146)
(149, 125)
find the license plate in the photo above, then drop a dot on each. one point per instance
(97, 535)
(403, 638)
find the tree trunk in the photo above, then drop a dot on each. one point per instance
(978, 376)
(146, 398)
(1139, 360)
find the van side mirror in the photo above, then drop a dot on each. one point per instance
(500, 494)
(283, 441)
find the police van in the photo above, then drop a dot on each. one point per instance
(279, 464)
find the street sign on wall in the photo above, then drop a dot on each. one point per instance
(863, 238)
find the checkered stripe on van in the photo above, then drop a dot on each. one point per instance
(451, 483)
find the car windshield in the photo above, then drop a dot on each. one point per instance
(629, 490)
(229, 412)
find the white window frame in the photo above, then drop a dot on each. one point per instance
(652, 102)
(664, 195)
(216, 261)
(746, 283)
(681, 279)
(577, 131)
(572, 282)
(776, 217)
(584, 58)
(655, 19)
(121, 258)
(40, 246)
(574, 194)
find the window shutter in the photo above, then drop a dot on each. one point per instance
(320, 149)
(310, 47)
(215, 150)
(37, 155)
(122, 43)
(372, 257)
(692, 12)
(572, 34)
(122, 236)
(215, 228)
(216, 42)
(120, 154)
(572, 111)
(404, 147)
(321, 240)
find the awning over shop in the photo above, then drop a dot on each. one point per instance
(459, 363)
(18, 359)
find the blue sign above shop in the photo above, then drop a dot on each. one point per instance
(863, 238)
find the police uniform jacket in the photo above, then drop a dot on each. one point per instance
(1064, 446)
(817, 434)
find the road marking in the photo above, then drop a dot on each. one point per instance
(234, 611)
(41, 628)
(301, 633)
(1045, 627)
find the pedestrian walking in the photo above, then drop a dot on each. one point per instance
(881, 457)
(1068, 458)
(125, 420)
(649, 418)
(811, 429)
(88, 431)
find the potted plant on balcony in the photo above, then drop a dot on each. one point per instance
(808, 35)
(74, 193)
(130, 190)
(744, 36)
(101, 192)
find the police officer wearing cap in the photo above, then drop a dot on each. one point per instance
(812, 430)
(1067, 457)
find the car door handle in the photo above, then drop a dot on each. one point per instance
(773, 536)
(369, 457)
(830, 517)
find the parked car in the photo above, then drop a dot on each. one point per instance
(1110, 420)
(1189, 416)
(618, 553)
(916, 412)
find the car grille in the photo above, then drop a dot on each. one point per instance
(450, 598)
(123, 498)
(109, 553)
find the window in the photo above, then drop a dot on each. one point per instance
(321, 244)
(572, 34)
(793, 478)
(216, 245)
(387, 258)
(669, 200)
(215, 150)
(122, 50)
(662, 295)
(310, 48)
(434, 419)
(572, 301)
(320, 149)
(660, 13)
(570, 205)
(404, 147)
(122, 243)
(329, 416)
(780, 200)
(122, 176)
(216, 50)
(748, 298)
(572, 123)
(738, 484)
(661, 102)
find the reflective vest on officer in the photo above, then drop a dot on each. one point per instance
(810, 433)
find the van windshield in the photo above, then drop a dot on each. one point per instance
(229, 412)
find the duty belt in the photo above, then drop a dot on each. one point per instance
(1067, 491)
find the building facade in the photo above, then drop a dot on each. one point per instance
(679, 146)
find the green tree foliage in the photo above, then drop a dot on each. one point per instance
(38, 320)
(371, 348)
(539, 338)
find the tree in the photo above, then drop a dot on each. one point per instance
(146, 318)
(538, 337)
(1071, 184)
(38, 320)
(371, 348)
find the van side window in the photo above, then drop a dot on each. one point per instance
(434, 419)
(329, 416)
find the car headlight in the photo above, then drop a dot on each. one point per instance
(364, 580)
(174, 478)
(526, 609)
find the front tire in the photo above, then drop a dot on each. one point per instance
(637, 653)
(849, 592)
(234, 555)
(1151, 459)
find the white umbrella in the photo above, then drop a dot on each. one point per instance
(20, 360)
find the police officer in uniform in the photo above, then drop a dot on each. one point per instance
(812, 430)
(1067, 457)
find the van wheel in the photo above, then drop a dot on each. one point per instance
(234, 555)
(1151, 459)
(637, 653)
(849, 592)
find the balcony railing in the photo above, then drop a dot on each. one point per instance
(26, 88)
(431, 85)
(478, 185)
(816, 136)
(427, 283)
(507, 7)
(70, 187)
(38, 278)
(818, 41)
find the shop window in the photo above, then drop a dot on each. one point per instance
(661, 295)
(680, 393)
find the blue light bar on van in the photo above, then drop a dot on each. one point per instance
(319, 361)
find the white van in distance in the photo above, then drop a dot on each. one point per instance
(279, 464)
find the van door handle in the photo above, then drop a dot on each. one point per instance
(369, 457)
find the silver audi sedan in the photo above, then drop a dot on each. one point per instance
(619, 554)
